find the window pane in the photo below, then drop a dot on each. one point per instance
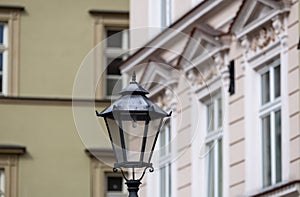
(1, 33)
(165, 138)
(211, 172)
(1, 71)
(113, 67)
(278, 145)
(277, 81)
(1, 78)
(163, 182)
(169, 181)
(220, 168)
(116, 40)
(220, 113)
(265, 87)
(113, 86)
(1, 62)
(266, 154)
(210, 117)
(163, 142)
(114, 183)
(2, 182)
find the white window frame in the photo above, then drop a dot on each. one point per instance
(4, 50)
(166, 12)
(214, 137)
(253, 135)
(164, 161)
(113, 52)
(269, 109)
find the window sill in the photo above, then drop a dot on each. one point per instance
(280, 189)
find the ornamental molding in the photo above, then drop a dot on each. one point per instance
(203, 44)
(202, 76)
(260, 25)
(155, 74)
(262, 40)
(167, 100)
(257, 13)
(259, 40)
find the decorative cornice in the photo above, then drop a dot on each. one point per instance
(12, 149)
(108, 12)
(12, 7)
(99, 152)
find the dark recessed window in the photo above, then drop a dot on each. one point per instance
(114, 184)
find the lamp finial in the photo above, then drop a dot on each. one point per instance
(133, 77)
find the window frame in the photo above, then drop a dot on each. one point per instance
(166, 12)
(213, 143)
(100, 169)
(270, 108)
(164, 161)
(2, 182)
(11, 15)
(114, 193)
(4, 51)
(9, 159)
(103, 19)
(114, 52)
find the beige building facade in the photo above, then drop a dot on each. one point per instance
(42, 45)
(229, 71)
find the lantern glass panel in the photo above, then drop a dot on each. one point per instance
(133, 138)
(116, 140)
(152, 134)
(134, 131)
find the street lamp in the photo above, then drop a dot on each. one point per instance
(133, 123)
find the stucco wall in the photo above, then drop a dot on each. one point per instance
(55, 37)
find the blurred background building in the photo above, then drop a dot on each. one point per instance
(42, 44)
(229, 71)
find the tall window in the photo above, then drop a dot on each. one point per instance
(214, 147)
(165, 13)
(3, 57)
(165, 164)
(270, 115)
(2, 182)
(115, 185)
(115, 54)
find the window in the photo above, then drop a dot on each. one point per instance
(104, 182)
(115, 54)
(9, 156)
(115, 185)
(9, 49)
(214, 147)
(165, 164)
(2, 182)
(3, 57)
(112, 52)
(165, 13)
(270, 115)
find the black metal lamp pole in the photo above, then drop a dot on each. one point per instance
(133, 187)
(133, 117)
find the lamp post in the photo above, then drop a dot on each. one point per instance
(133, 123)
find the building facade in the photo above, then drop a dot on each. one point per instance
(229, 71)
(42, 45)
